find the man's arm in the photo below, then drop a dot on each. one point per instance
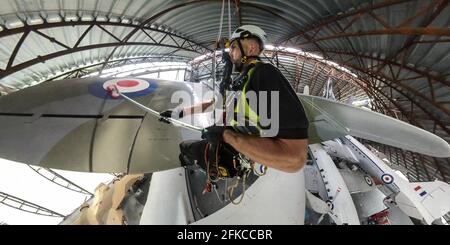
(288, 155)
(198, 108)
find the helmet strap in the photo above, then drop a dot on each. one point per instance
(244, 58)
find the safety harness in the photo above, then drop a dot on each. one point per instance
(240, 166)
(251, 124)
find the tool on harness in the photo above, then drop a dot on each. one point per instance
(220, 163)
(224, 162)
(226, 75)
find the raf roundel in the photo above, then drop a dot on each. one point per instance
(127, 85)
(131, 87)
(368, 180)
(387, 179)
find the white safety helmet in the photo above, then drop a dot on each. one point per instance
(249, 31)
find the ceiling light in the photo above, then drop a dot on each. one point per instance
(71, 18)
(53, 18)
(35, 21)
(14, 24)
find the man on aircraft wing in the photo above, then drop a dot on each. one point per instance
(245, 133)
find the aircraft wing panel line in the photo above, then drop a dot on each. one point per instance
(94, 132)
(132, 146)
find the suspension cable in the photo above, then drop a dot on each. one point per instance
(229, 19)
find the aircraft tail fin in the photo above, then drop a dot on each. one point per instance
(435, 197)
(306, 90)
(328, 92)
(430, 201)
(350, 100)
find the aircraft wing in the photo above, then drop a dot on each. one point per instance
(322, 125)
(75, 125)
(330, 116)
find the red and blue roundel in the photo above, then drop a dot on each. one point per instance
(387, 179)
(131, 87)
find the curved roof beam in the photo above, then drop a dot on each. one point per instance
(63, 23)
(286, 20)
(406, 87)
(60, 180)
(238, 4)
(411, 40)
(372, 89)
(187, 45)
(147, 21)
(120, 62)
(393, 63)
(432, 31)
(159, 14)
(433, 117)
(333, 19)
(20, 204)
(42, 59)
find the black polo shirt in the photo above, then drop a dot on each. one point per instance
(293, 123)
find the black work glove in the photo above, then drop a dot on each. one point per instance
(177, 112)
(214, 134)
